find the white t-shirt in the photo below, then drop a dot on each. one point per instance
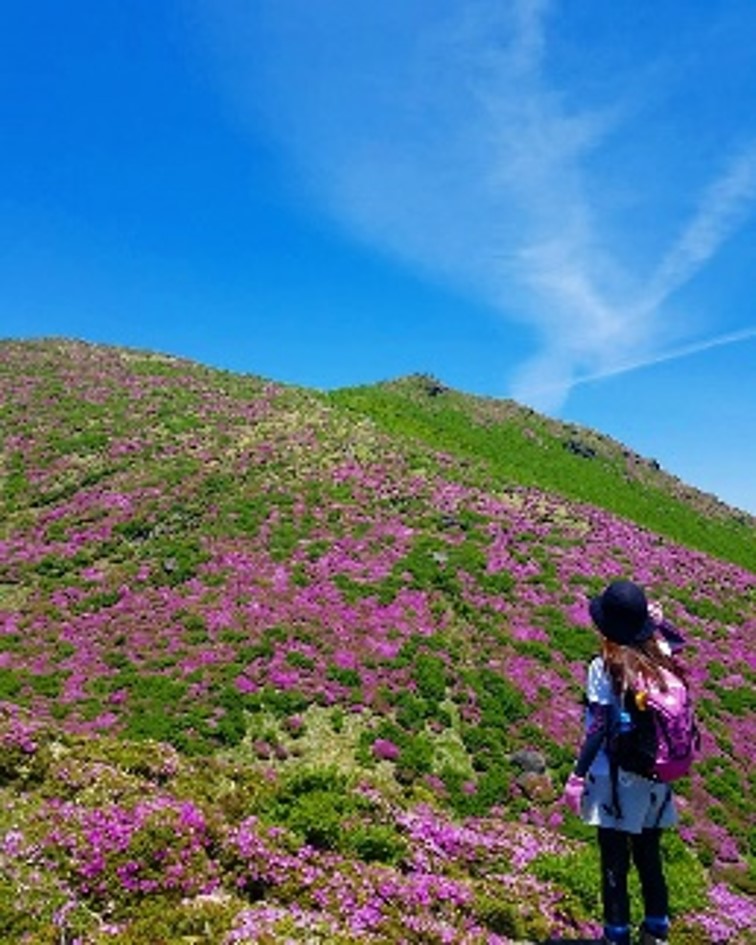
(598, 690)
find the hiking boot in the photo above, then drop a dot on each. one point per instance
(624, 939)
(647, 938)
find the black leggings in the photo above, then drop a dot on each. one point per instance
(616, 847)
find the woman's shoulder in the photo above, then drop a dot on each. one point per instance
(596, 667)
(599, 685)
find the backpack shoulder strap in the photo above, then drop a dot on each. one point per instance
(615, 708)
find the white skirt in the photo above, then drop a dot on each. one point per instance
(643, 804)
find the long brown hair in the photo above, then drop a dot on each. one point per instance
(629, 666)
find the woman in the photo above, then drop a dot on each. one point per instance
(629, 810)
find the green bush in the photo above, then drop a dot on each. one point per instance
(536, 649)
(739, 701)
(344, 676)
(15, 487)
(317, 818)
(578, 874)
(308, 780)
(136, 529)
(500, 916)
(159, 921)
(430, 567)
(153, 722)
(376, 843)
(499, 700)
(725, 783)
(490, 788)
(576, 645)
(283, 541)
(520, 921)
(300, 660)
(431, 677)
(11, 683)
(231, 728)
(180, 559)
(56, 566)
(17, 922)
(314, 803)
(411, 711)
(98, 601)
(281, 702)
(484, 743)
(685, 875)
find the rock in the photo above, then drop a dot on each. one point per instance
(431, 385)
(537, 787)
(529, 760)
(580, 449)
(451, 521)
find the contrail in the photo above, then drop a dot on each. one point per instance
(722, 210)
(683, 352)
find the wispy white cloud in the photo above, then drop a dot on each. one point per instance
(593, 324)
(624, 367)
(608, 333)
(442, 137)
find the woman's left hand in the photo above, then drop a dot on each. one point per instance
(656, 612)
(573, 793)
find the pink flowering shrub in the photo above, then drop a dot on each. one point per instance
(24, 755)
(184, 850)
(158, 846)
(729, 917)
(385, 750)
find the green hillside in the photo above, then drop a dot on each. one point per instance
(278, 665)
(509, 444)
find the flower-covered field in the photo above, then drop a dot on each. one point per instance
(270, 674)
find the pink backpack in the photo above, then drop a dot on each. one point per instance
(654, 733)
(677, 735)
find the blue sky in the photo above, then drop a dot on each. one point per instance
(543, 199)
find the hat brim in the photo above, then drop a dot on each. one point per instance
(596, 611)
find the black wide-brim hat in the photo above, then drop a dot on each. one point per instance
(621, 613)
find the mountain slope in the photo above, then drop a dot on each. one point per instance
(331, 622)
(510, 443)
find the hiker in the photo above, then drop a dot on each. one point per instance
(629, 809)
